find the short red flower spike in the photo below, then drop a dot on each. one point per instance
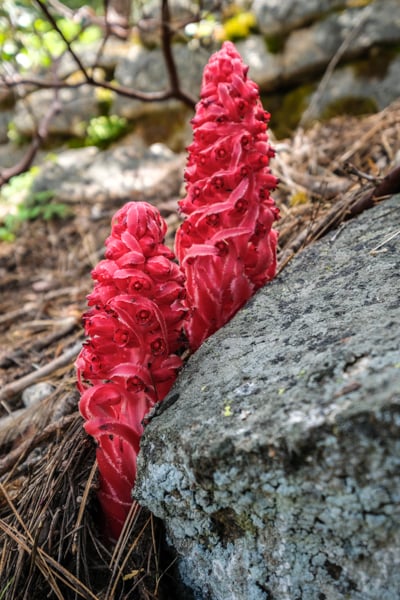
(129, 362)
(226, 246)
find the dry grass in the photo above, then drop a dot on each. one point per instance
(50, 540)
(51, 546)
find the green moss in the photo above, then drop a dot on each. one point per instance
(168, 127)
(286, 110)
(245, 523)
(231, 526)
(275, 43)
(350, 105)
(377, 62)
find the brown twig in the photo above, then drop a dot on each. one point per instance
(40, 135)
(166, 41)
(56, 28)
(13, 388)
(347, 208)
(23, 449)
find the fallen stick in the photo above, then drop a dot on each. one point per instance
(15, 387)
(345, 209)
(25, 447)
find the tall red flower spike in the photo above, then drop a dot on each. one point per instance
(226, 246)
(129, 361)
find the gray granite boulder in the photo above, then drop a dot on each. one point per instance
(275, 461)
(119, 174)
(144, 70)
(76, 105)
(279, 16)
(311, 48)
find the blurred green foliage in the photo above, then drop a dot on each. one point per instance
(103, 130)
(28, 40)
(23, 204)
(233, 23)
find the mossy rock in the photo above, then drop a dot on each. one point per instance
(168, 127)
(286, 110)
(350, 105)
(377, 63)
(275, 43)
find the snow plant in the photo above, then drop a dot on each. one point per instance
(130, 360)
(226, 246)
(147, 306)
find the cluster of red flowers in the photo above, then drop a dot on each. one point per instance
(145, 305)
(226, 246)
(130, 361)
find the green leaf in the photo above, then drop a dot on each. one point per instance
(69, 28)
(6, 235)
(90, 34)
(40, 197)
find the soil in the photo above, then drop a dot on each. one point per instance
(50, 545)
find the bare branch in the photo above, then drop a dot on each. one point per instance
(13, 81)
(174, 90)
(41, 134)
(56, 28)
(166, 39)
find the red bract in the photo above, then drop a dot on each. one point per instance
(226, 245)
(129, 361)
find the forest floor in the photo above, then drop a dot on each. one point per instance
(49, 540)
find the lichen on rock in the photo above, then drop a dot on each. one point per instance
(296, 493)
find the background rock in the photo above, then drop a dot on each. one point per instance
(121, 174)
(278, 16)
(76, 105)
(312, 48)
(5, 119)
(288, 53)
(145, 70)
(275, 462)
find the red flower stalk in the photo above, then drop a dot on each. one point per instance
(129, 361)
(226, 246)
